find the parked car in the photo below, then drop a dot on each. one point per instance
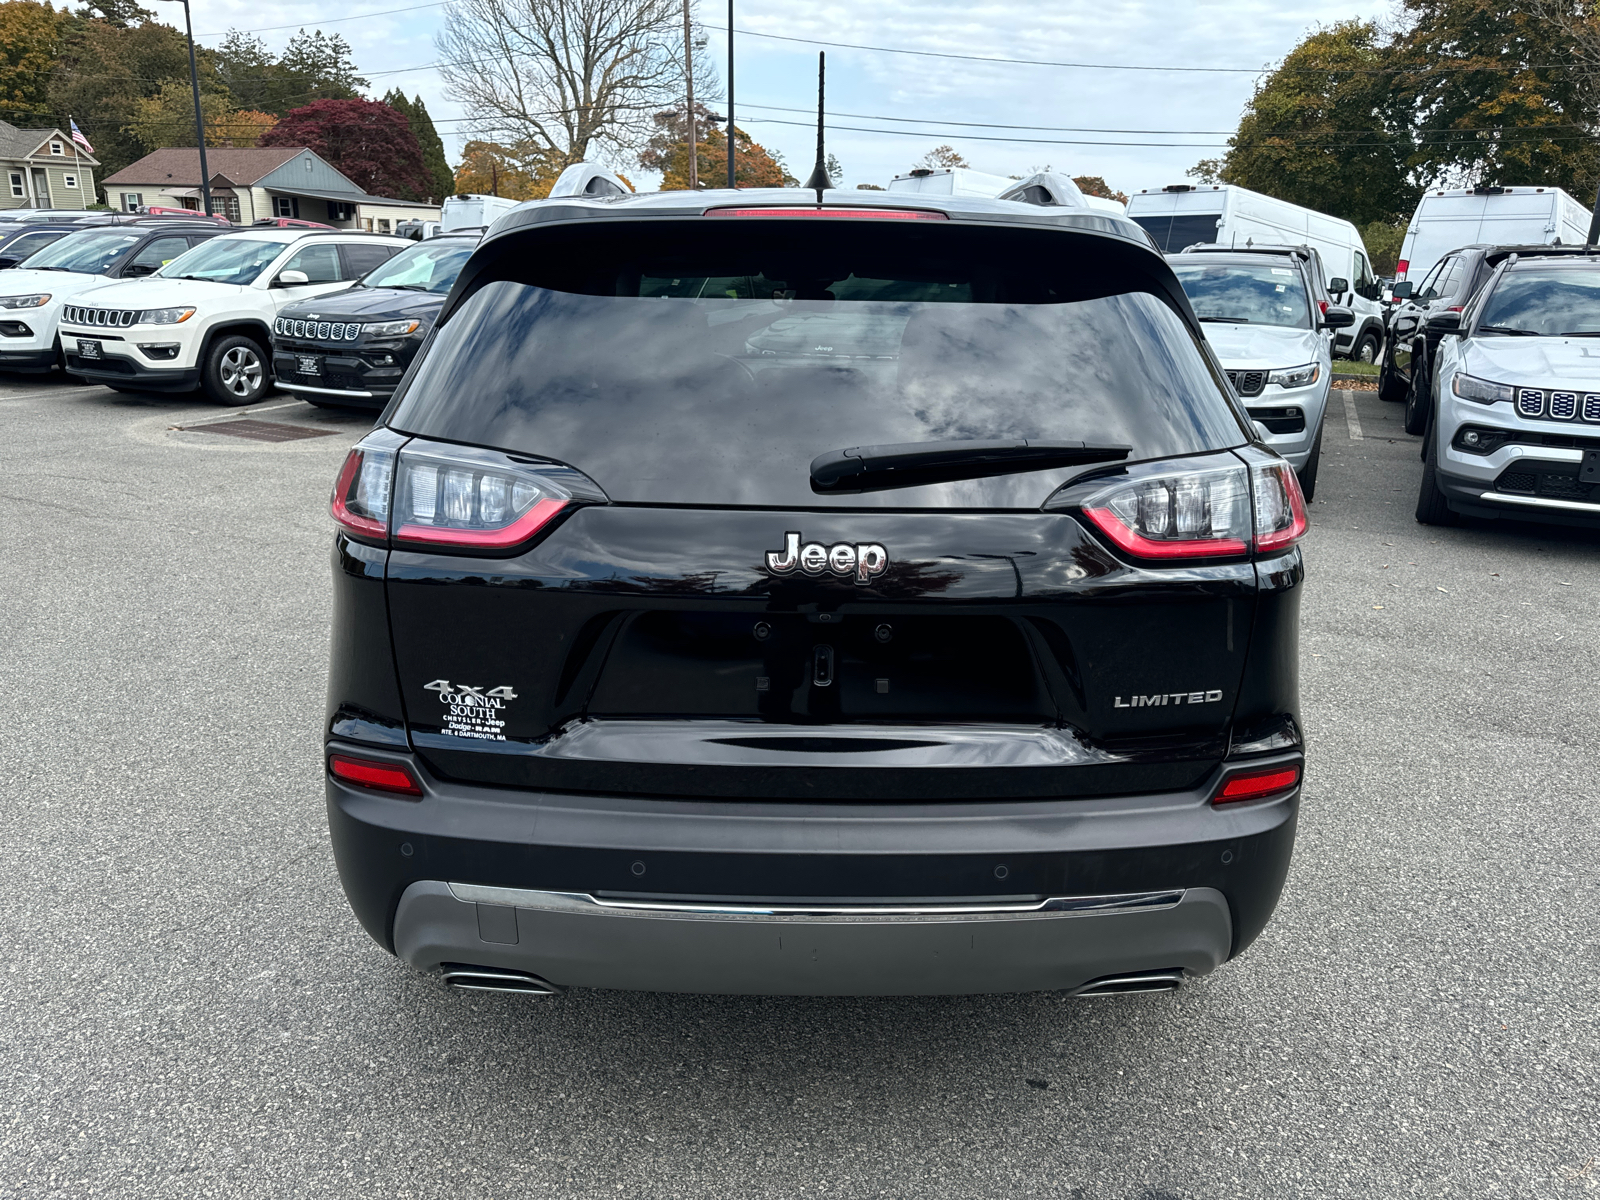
(35, 292)
(1263, 316)
(206, 320)
(1182, 215)
(1408, 357)
(350, 348)
(663, 662)
(156, 210)
(18, 242)
(1446, 218)
(1514, 423)
(287, 223)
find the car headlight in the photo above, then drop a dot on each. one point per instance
(1470, 387)
(390, 328)
(165, 316)
(1293, 377)
(38, 301)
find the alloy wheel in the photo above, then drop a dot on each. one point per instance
(241, 371)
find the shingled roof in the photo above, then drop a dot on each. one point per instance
(181, 164)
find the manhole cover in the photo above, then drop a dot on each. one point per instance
(259, 431)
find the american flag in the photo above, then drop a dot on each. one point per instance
(77, 136)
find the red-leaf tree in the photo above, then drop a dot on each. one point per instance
(369, 142)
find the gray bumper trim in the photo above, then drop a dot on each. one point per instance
(577, 940)
(1541, 502)
(316, 391)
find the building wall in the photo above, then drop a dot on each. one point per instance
(393, 214)
(307, 171)
(56, 172)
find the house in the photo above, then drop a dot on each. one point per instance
(252, 183)
(44, 169)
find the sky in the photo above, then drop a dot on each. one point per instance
(905, 103)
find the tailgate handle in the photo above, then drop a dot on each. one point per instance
(822, 666)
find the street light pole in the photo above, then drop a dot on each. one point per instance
(730, 93)
(688, 74)
(199, 122)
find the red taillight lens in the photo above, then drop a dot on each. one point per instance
(1280, 506)
(474, 500)
(871, 214)
(1189, 514)
(1456, 308)
(1323, 306)
(1254, 785)
(382, 776)
(1400, 269)
(360, 501)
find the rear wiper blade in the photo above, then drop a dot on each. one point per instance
(913, 464)
(1509, 331)
(1228, 320)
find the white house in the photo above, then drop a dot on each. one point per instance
(44, 168)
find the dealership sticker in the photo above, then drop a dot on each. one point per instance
(473, 712)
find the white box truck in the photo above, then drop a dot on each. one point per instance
(1447, 219)
(1184, 215)
(473, 211)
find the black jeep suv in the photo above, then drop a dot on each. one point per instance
(778, 592)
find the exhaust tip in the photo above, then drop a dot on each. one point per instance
(1132, 985)
(468, 978)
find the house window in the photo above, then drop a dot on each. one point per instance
(307, 161)
(383, 224)
(57, 148)
(339, 212)
(18, 188)
(283, 206)
(72, 180)
(132, 201)
(226, 206)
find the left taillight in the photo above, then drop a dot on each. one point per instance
(369, 773)
(360, 503)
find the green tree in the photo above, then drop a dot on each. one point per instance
(122, 14)
(166, 118)
(1329, 129)
(1383, 242)
(441, 180)
(1496, 98)
(30, 42)
(321, 67)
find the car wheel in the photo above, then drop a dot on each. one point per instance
(1432, 507)
(1308, 473)
(1366, 350)
(1417, 399)
(235, 371)
(1391, 388)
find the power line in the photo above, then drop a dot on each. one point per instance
(329, 21)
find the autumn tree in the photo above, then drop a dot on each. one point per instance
(166, 118)
(30, 42)
(1095, 185)
(940, 158)
(520, 172)
(368, 142)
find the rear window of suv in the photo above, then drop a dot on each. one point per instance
(805, 332)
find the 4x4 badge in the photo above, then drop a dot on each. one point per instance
(863, 560)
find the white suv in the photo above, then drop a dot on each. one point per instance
(205, 319)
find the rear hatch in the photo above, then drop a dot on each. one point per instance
(733, 569)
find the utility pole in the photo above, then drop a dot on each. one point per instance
(730, 94)
(199, 123)
(688, 74)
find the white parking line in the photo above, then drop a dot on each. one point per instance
(1351, 419)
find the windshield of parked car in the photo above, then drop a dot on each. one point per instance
(1247, 294)
(224, 260)
(429, 267)
(830, 339)
(88, 253)
(1544, 301)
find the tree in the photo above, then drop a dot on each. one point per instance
(1383, 242)
(167, 117)
(122, 14)
(440, 178)
(1496, 98)
(570, 77)
(667, 151)
(367, 141)
(490, 169)
(30, 43)
(1329, 129)
(941, 158)
(1207, 170)
(1095, 185)
(321, 67)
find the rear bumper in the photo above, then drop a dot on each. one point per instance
(579, 941)
(398, 860)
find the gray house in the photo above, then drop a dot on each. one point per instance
(253, 183)
(44, 168)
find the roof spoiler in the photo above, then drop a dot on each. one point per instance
(590, 181)
(1046, 187)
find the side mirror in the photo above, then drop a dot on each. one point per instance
(1338, 286)
(1401, 290)
(1337, 318)
(291, 279)
(1444, 322)
(136, 270)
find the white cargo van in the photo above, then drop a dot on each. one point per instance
(1182, 215)
(1448, 219)
(963, 181)
(473, 211)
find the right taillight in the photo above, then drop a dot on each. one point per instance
(1400, 269)
(1280, 506)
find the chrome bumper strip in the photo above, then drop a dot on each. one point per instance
(583, 902)
(300, 387)
(1541, 502)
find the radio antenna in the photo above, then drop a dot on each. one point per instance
(818, 180)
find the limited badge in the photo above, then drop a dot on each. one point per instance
(473, 712)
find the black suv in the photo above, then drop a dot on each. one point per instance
(1404, 374)
(349, 349)
(780, 592)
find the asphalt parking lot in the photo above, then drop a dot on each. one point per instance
(187, 1007)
